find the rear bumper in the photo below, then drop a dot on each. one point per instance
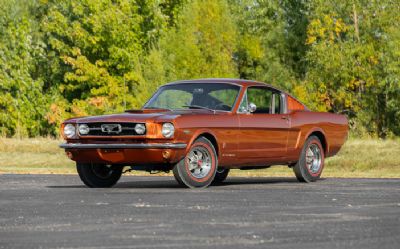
(124, 146)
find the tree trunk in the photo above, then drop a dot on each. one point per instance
(355, 20)
(381, 111)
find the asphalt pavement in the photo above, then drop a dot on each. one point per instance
(57, 211)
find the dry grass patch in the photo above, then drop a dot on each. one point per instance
(33, 156)
(358, 158)
(366, 157)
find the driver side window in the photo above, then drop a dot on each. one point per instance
(261, 97)
(266, 100)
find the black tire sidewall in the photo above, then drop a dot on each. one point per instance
(221, 176)
(90, 179)
(182, 174)
(302, 172)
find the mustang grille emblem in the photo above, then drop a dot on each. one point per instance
(111, 128)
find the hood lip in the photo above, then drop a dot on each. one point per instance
(127, 118)
(116, 118)
(140, 117)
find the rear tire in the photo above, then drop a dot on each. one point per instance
(311, 162)
(221, 175)
(197, 169)
(99, 175)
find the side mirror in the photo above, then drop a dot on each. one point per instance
(252, 107)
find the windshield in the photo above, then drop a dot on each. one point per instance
(212, 96)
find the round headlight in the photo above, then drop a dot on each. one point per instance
(83, 129)
(140, 129)
(168, 130)
(69, 130)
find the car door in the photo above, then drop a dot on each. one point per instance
(263, 131)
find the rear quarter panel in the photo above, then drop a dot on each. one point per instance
(334, 127)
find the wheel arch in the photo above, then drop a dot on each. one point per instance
(321, 136)
(208, 135)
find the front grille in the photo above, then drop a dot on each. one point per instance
(111, 129)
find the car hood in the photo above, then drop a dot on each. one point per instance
(139, 116)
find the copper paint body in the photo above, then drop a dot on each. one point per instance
(242, 139)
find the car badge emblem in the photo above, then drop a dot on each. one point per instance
(111, 128)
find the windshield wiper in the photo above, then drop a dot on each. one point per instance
(199, 107)
(155, 107)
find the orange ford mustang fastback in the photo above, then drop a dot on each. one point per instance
(200, 129)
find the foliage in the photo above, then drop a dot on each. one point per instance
(64, 58)
(21, 50)
(200, 47)
(98, 45)
(354, 62)
(261, 50)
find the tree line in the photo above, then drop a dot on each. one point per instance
(64, 58)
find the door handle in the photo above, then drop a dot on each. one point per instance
(285, 118)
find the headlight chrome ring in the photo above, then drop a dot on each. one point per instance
(140, 129)
(69, 130)
(83, 129)
(168, 130)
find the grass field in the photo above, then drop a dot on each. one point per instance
(358, 158)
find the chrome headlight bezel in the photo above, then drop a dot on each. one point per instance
(168, 130)
(140, 129)
(69, 130)
(83, 129)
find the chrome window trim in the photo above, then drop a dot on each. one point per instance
(244, 98)
(178, 83)
(283, 109)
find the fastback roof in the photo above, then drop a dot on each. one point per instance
(241, 82)
(225, 80)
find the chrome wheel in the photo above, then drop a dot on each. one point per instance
(311, 162)
(198, 168)
(313, 158)
(199, 162)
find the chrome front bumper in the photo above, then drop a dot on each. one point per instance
(124, 146)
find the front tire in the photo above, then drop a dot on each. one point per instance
(311, 162)
(197, 169)
(99, 175)
(221, 175)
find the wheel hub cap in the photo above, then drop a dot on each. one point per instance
(314, 158)
(199, 162)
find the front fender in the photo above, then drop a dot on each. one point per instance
(196, 134)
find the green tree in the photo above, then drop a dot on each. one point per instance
(295, 15)
(82, 57)
(99, 47)
(262, 50)
(201, 44)
(353, 62)
(22, 105)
